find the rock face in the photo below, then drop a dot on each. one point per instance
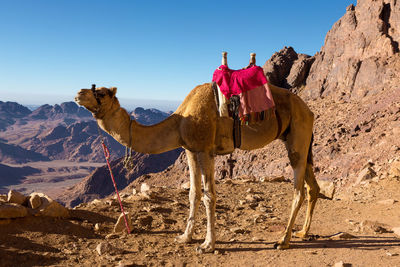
(361, 53)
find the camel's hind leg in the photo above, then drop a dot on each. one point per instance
(297, 144)
(312, 194)
(194, 196)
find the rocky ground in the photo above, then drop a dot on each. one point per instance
(357, 227)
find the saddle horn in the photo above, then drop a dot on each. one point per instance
(224, 58)
(252, 58)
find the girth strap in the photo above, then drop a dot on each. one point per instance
(237, 134)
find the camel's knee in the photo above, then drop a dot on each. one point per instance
(312, 185)
(195, 194)
(209, 198)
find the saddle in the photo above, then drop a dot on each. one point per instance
(242, 94)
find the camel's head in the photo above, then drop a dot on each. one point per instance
(96, 99)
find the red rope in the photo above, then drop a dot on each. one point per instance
(107, 155)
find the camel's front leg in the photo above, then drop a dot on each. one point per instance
(207, 171)
(194, 196)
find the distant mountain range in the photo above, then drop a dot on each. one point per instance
(64, 131)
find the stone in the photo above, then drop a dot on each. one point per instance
(97, 227)
(395, 169)
(366, 174)
(145, 221)
(376, 227)
(341, 264)
(16, 197)
(12, 210)
(95, 201)
(3, 198)
(396, 231)
(34, 201)
(238, 230)
(185, 186)
(342, 235)
(387, 201)
(112, 236)
(134, 191)
(327, 188)
(144, 187)
(120, 225)
(104, 248)
(390, 254)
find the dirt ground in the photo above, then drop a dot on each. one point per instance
(251, 216)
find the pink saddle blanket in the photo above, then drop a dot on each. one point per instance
(250, 84)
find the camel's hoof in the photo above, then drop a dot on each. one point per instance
(206, 247)
(280, 246)
(300, 234)
(183, 239)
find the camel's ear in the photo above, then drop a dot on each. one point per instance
(113, 91)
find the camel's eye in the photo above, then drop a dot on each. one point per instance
(100, 94)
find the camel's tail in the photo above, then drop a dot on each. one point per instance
(310, 155)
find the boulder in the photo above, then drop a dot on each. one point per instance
(376, 227)
(144, 187)
(365, 174)
(105, 248)
(395, 169)
(34, 201)
(287, 69)
(327, 188)
(12, 210)
(3, 198)
(396, 231)
(51, 208)
(16, 197)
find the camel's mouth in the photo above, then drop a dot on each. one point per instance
(80, 98)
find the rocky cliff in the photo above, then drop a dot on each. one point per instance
(360, 56)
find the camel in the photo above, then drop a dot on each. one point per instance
(197, 127)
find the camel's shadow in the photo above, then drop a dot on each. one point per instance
(361, 242)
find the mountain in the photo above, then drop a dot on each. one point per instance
(15, 154)
(9, 112)
(98, 184)
(149, 116)
(63, 111)
(14, 175)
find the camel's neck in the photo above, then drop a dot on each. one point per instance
(153, 139)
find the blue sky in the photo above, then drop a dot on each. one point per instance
(149, 49)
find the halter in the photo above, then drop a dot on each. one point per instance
(95, 94)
